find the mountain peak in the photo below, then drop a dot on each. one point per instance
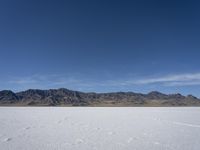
(156, 95)
(7, 95)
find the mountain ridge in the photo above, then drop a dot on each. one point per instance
(66, 97)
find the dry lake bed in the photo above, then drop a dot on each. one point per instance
(99, 128)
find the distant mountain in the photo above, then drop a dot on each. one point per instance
(66, 97)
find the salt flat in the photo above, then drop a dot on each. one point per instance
(104, 128)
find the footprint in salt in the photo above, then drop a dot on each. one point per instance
(59, 122)
(145, 134)
(136, 138)
(157, 119)
(97, 128)
(79, 141)
(27, 128)
(7, 139)
(156, 143)
(111, 133)
(130, 140)
(66, 118)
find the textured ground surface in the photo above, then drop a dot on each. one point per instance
(57, 128)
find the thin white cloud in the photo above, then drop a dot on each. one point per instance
(188, 83)
(48, 81)
(58, 81)
(187, 79)
(172, 78)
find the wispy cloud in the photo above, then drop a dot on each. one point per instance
(57, 81)
(173, 80)
(49, 81)
(188, 83)
(186, 79)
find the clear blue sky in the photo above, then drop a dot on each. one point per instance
(100, 45)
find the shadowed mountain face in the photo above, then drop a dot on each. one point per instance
(7, 96)
(65, 97)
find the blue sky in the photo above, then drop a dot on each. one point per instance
(100, 46)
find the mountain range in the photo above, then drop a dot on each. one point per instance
(66, 97)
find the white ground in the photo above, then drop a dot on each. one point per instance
(82, 128)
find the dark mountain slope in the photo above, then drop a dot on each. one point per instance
(65, 97)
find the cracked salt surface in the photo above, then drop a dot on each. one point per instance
(81, 128)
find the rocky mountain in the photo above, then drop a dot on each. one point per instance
(7, 96)
(66, 97)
